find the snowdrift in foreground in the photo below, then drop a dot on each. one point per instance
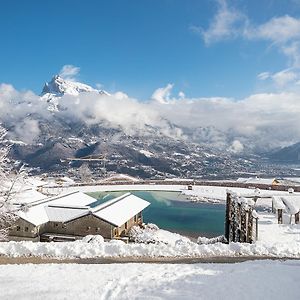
(166, 244)
(249, 280)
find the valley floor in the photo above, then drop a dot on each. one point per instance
(248, 280)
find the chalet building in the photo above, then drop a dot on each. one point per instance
(76, 215)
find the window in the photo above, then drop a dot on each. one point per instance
(26, 229)
(18, 228)
(88, 228)
(116, 232)
(63, 226)
(55, 225)
(97, 229)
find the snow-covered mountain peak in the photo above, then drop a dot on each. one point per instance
(58, 87)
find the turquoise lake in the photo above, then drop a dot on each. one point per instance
(170, 211)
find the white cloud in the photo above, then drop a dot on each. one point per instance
(226, 24)
(181, 95)
(284, 77)
(162, 95)
(229, 23)
(69, 72)
(116, 111)
(27, 129)
(283, 32)
(263, 75)
(277, 30)
(268, 119)
(236, 147)
(260, 120)
(120, 95)
(17, 109)
(292, 51)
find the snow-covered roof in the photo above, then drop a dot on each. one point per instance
(64, 214)
(75, 199)
(74, 205)
(277, 202)
(292, 203)
(37, 214)
(289, 202)
(118, 211)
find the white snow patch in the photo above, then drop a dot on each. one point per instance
(146, 153)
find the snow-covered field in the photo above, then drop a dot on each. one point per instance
(248, 280)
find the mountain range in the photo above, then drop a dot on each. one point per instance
(71, 125)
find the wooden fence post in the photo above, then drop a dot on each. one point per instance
(227, 216)
(250, 226)
(256, 229)
(279, 211)
(238, 222)
(297, 217)
(233, 222)
(243, 233)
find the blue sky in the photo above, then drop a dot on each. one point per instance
(138, 46)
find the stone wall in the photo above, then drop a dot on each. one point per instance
(24, 229)
(82, 226)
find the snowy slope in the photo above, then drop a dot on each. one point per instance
(249, 280)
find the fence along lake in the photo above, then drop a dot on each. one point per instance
(172, 211)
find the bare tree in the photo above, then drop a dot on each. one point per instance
(9, 186)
